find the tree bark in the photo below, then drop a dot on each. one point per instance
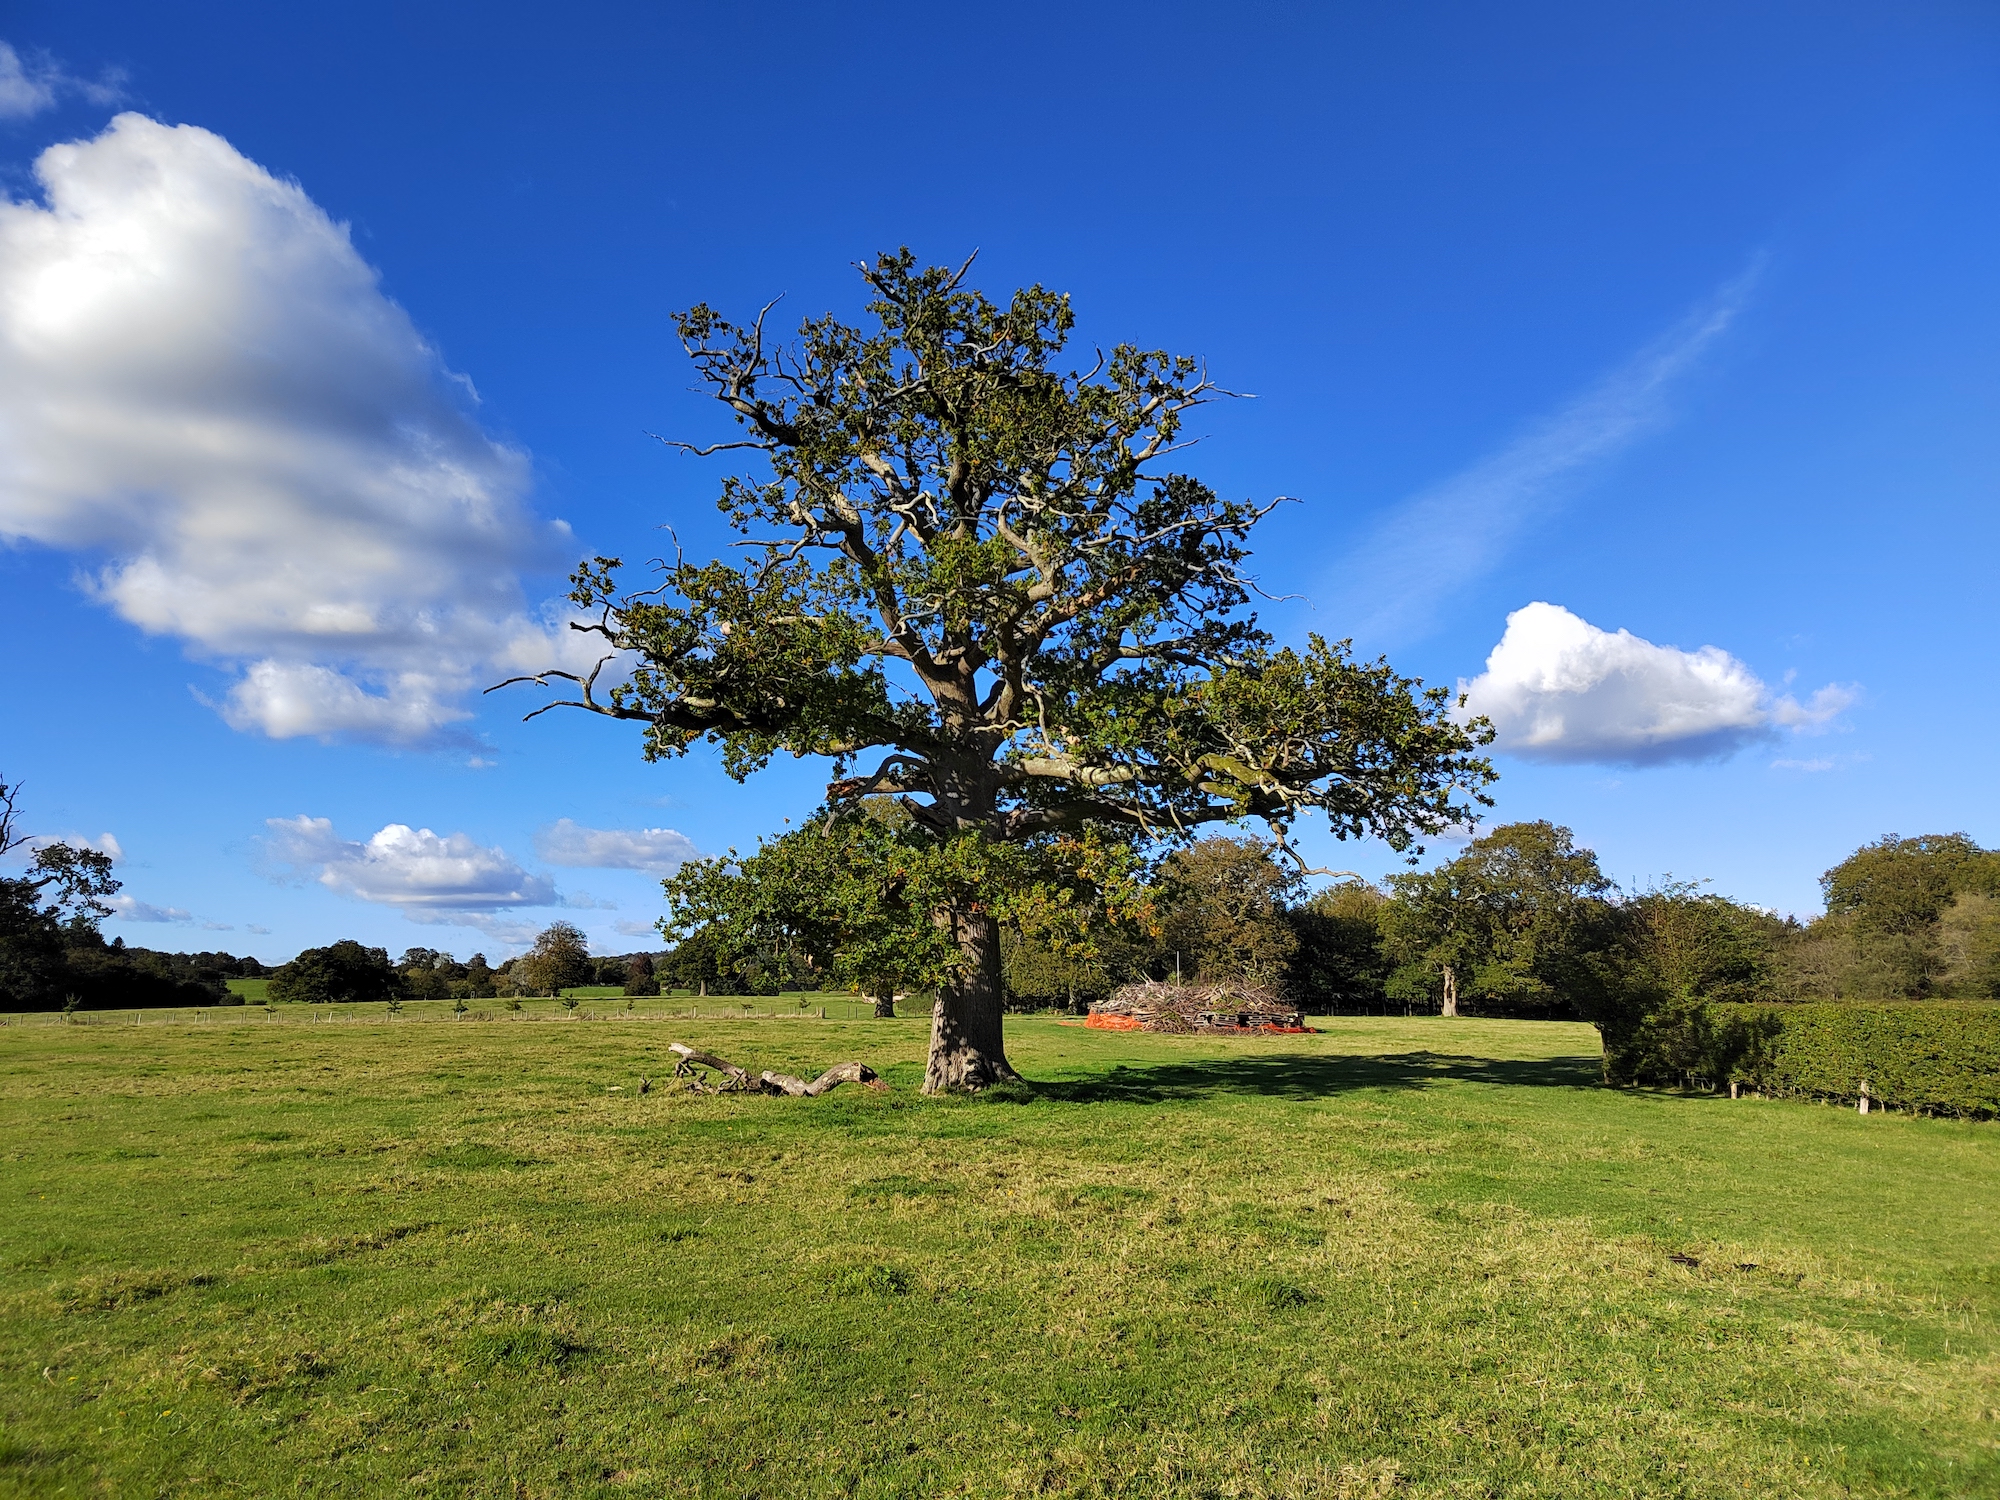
(1450, 991)
(885, 1006)
(967, 1051)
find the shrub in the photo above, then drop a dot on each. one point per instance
(1933, 1057)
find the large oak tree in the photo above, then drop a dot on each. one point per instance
(976, 582)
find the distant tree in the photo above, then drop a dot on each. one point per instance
(559, 960)
(1339, 961)
(973, 561)
(697, 962)
(1969, 941)
(424, 974)
(340, 973)
(59, 900)
(1686, 949)
(1698, 946)
(479, 979)
(1051, 972)
(1519, 924)
(639, 976)
(1221, 904)
(111, 974)
(1890, 897)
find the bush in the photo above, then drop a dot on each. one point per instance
(1932, 1057)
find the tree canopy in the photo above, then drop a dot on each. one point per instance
(57, 901)
(1516, 921)
(975, 580)
(559, 959)
(340, 973)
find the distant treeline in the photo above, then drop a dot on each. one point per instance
(76, 968)
(348, 972)
(1524, 923)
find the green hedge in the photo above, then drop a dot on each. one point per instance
(1933, 1057)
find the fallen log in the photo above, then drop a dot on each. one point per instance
(848, 1072)
(738, 1080)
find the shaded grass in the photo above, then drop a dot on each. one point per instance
(1401, 1257)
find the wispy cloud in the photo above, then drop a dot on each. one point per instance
(661, 850)
(1443, 538)
(131, 909)
(28, 86)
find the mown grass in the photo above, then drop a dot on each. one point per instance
(252, 1256)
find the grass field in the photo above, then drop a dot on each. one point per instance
(258, 1256)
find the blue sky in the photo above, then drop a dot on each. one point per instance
(1675, 320)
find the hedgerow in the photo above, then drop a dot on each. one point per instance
(1932, 1057)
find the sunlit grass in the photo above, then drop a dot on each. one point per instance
(356, 1255)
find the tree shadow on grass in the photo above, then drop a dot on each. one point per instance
(1298, 1077)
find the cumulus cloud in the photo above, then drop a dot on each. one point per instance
(131, 909)
(1433, 544)
(27, 88)
(429, 877)
(660, 850)
(204, 389)
(636, 929)
(1557, 688)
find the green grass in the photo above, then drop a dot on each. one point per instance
(248, 990)
(253, 1256)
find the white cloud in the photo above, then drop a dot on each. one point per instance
(1557, 688)
(203, 386)
(1435, 543)
(636, 929)
(104, 843)
(661, 850)
(131, 909)
(260, 931)
(430, 877)
(1821, 709)
(28, 88)
(1816, 763)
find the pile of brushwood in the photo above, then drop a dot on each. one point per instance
(1239, 1005)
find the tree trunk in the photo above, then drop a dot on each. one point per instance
(1450, 991)
(885, 1006)
(967, 1053)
